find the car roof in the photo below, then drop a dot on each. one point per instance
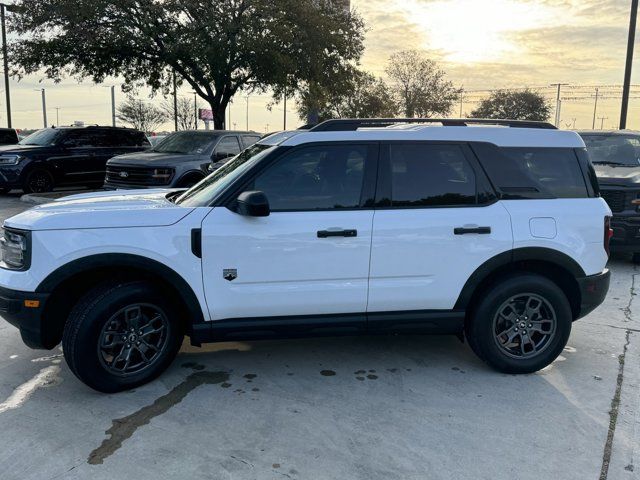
(497, 135)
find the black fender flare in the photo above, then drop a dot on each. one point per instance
(512, 257)
(122, 260)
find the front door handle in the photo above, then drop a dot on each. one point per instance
(337, 233)
(472, 230)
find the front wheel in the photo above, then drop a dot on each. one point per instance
(521, 325)
(38, 180)
(120, 335)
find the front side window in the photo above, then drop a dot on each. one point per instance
(228, 147)
(43, 138)
(315, 178)
(430, 175)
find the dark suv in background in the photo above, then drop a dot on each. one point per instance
(53, 157)
(180, 160)
(8, 136)
(616, 158)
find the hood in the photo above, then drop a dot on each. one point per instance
(618, 174)
(130, 208)
(156, 159)
(18, 149)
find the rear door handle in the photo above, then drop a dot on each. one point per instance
(337, 233)
(472, 230)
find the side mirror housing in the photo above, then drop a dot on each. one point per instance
(253, 204)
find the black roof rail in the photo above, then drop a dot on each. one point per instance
(352, 124)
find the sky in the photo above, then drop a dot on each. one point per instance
(481, 44)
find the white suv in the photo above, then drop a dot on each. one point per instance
(491, 230)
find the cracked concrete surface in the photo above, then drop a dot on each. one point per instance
(365, 408)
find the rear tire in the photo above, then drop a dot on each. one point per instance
(120, 335)
(38, 180)
(521, 325)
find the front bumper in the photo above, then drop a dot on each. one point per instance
(10, 176)
(14, 309)
(593, 291)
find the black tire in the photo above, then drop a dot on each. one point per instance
(94, 317)
(38, 180)
(489, 333)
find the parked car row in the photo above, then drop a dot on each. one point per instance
(96, 156)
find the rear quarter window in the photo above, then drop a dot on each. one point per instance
(534, 172)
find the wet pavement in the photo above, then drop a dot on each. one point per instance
(402, 407)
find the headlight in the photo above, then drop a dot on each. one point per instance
(10, 160)
(15, 249)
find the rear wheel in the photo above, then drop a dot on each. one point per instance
(121, 335)
(521, 325)
(38, 180)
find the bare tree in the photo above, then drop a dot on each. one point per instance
(141, 115)
(420, 85)
(186, 113)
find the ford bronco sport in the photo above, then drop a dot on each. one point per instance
(491, 230)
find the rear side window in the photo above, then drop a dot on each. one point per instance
(534, 172)
(228, 146)
(248, 140)
(430, 175)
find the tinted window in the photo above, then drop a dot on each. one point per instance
(228, 146)
(196, 143)
(533, 172)
(555, 171)
(315, 178)
(430, 175)
(8, 137)
(81, 138)
(126, 138)
(614, 149)
(249, 140)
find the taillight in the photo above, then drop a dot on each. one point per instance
(608, 234)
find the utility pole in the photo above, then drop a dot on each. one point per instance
(285, 110)
(629, 66)
(113, 105)
(595, 109)
(175, 100)
(461, 104)
(195, 108)
(5, 59)
(602, 119)
(57, 116)
(228, 125)
(559, 85)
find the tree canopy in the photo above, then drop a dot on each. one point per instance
(514, 105)
(420, 86)
(363, 96)
(217, 47)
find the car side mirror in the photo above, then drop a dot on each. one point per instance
(253, 204)
(218, 156)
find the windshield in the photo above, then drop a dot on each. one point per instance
(614, 149)
(42, 138)
(194, 143)
(203, 193)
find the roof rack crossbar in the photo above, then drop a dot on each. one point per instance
(352, 124)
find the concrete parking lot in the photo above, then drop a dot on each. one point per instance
(403, 407)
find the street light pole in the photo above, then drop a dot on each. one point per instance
(57, 116)
(247, 99)
(113, 105)
(629, 65)
(44, 105)
(5, 59)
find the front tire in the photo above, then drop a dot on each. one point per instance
(38, 180)
(521, 325)
(120, 335)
